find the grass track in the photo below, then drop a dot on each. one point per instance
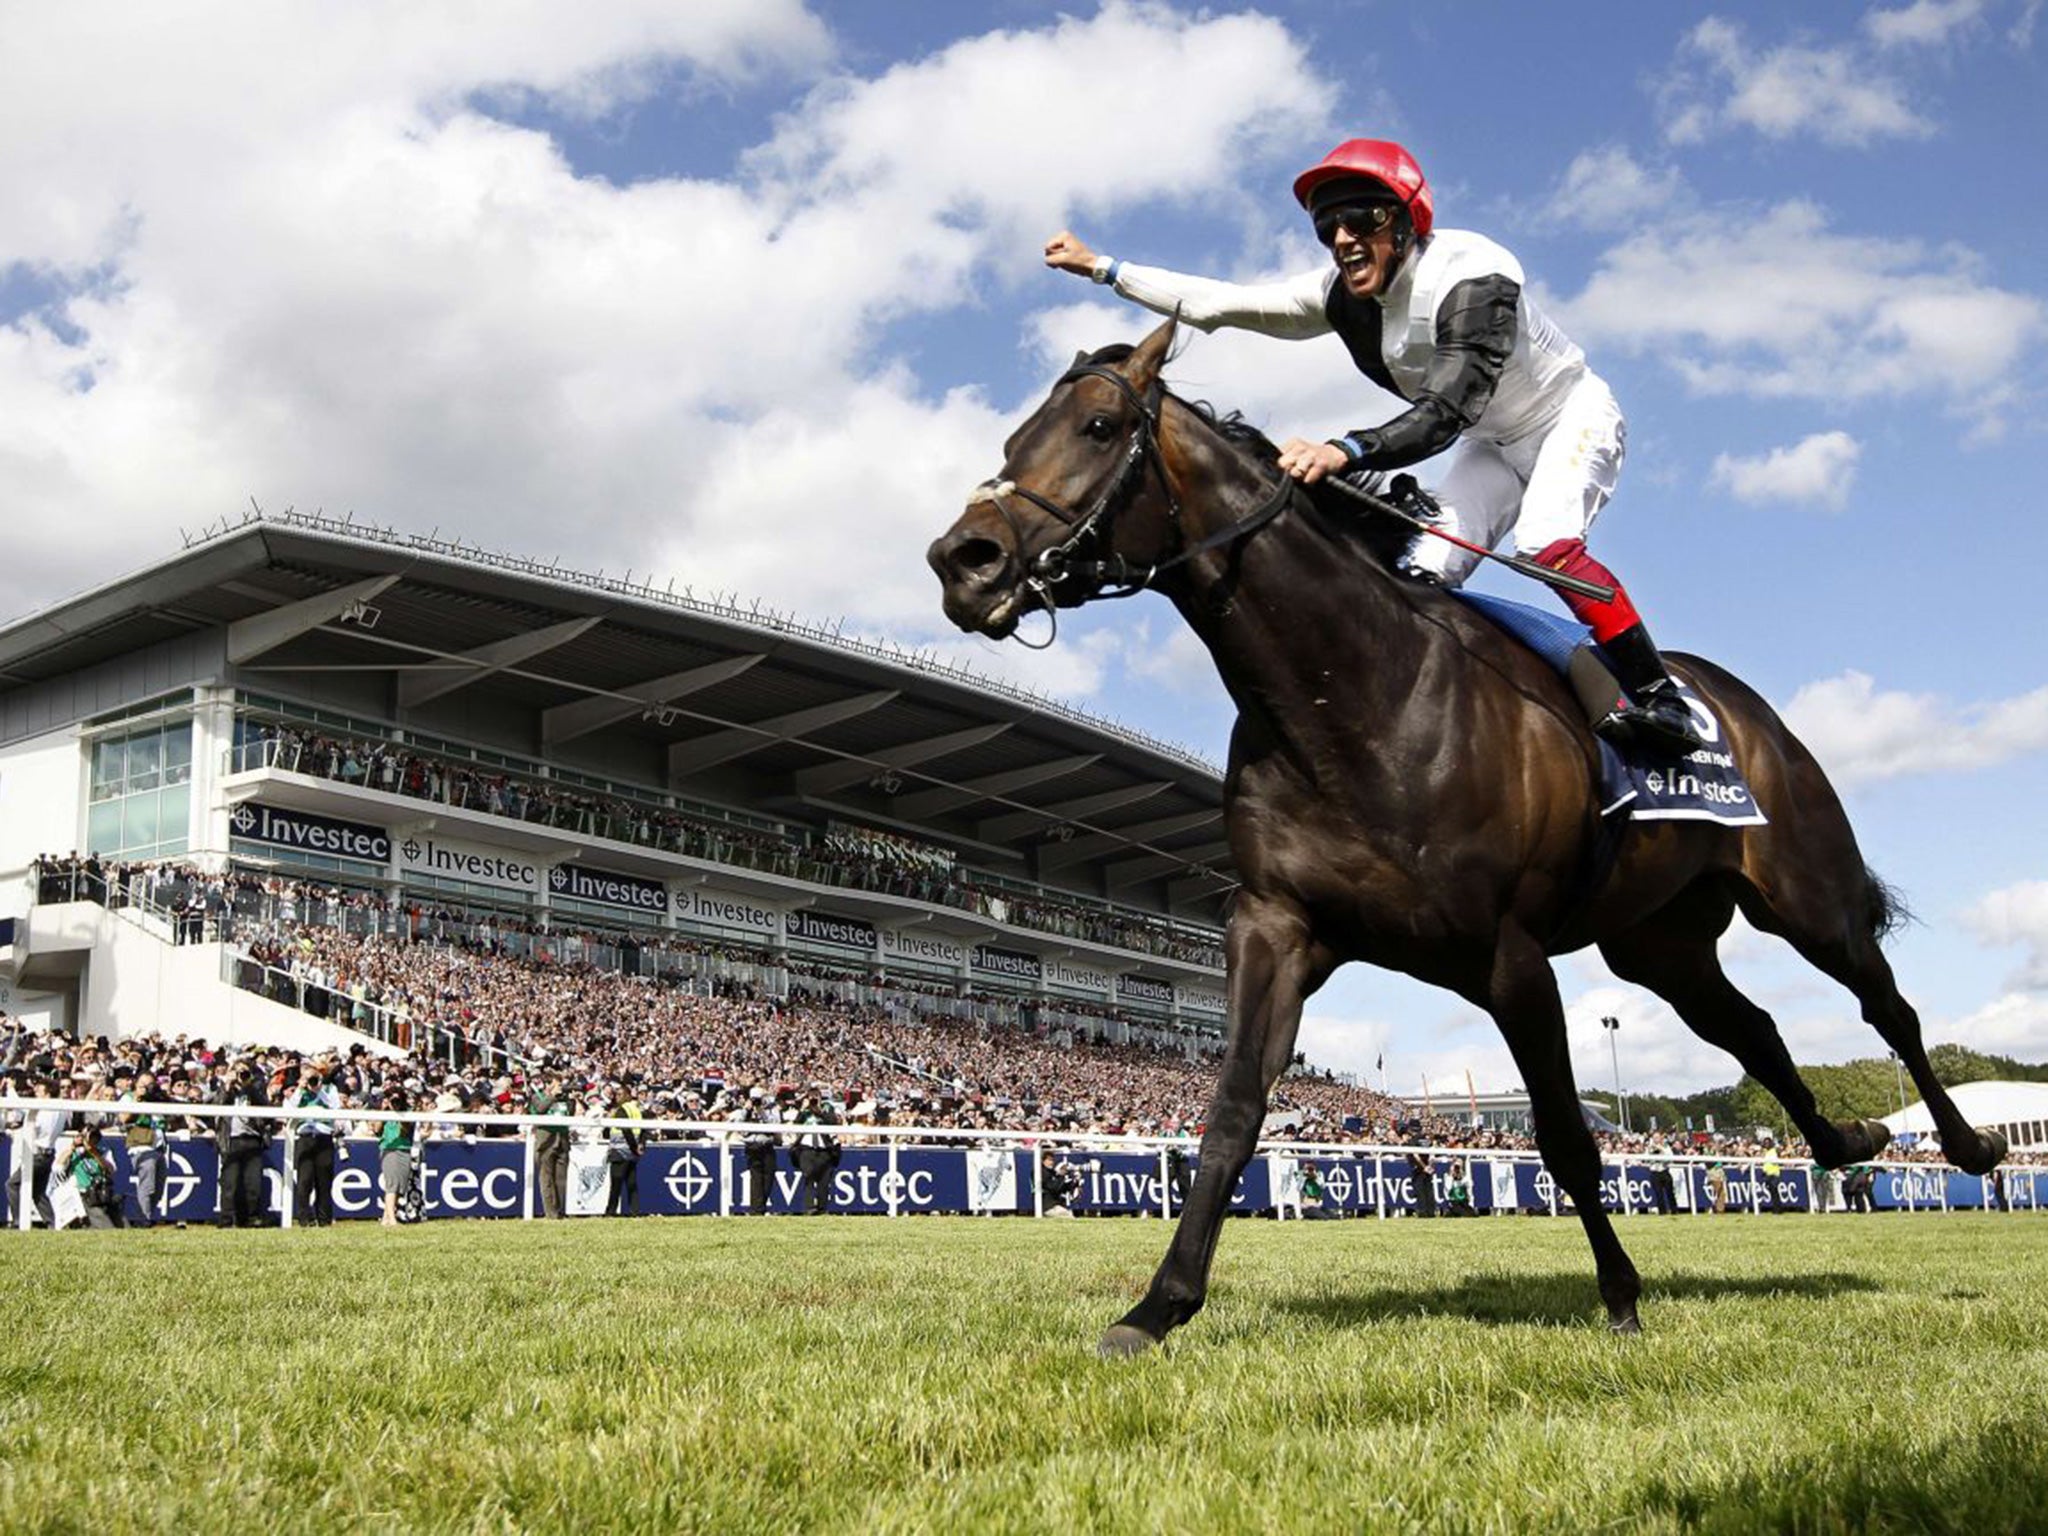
(937, 1375)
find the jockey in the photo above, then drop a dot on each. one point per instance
(1440, 318)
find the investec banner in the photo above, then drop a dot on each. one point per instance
(1008, 962)
(447, 859)
(572, 882)
(816, 927)
(711, 907)
(928, 947)
(1080, 978)
(307, 833)
(1144, 989)
(1203, 1001)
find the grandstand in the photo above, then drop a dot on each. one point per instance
(418, 725)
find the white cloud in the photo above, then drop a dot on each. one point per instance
(1776, 304)
(1818, 469)
(1922, 24)
(1862, 734)
(300, 258)
(2015, 1024)
(1836, 94)
(2017, 914)
(1609, 188)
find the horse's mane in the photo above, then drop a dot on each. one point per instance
(1381, 539)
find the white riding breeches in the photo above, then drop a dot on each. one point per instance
(1544, 487)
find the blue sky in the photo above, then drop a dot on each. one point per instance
(749, 294)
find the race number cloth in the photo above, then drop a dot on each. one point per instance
(1707, 785)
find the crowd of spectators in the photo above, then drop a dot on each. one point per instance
(854, 858)
(707, 1052)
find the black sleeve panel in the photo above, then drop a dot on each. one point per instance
(1475, 333)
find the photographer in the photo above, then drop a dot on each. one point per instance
(759, 1147)
(144, 1135)
(88, 1168)
(241, 1139)
(313, 1152)
(817, 1154)
(394, 1155)
(1059, 1183)
(47, 1125)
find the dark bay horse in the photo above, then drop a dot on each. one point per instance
(1409, 787)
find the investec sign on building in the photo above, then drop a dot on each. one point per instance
(910, 945)
(829, 928)
(446, 860)
(711, 907)
(307, 833)
(1143, 989)
(572, 882)
(1079, 978)
(1008, 962)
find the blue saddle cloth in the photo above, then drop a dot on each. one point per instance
(1707, 785)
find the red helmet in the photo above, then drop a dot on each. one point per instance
(1382, 161)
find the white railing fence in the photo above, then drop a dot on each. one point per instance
(1285, 1158)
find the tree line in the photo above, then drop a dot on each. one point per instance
(1849, 1090)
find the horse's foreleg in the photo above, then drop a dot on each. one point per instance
(1524, 1003)
(1270, 957)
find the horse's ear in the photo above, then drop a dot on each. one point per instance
(1144, 365)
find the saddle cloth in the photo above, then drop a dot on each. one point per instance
(1707, 785)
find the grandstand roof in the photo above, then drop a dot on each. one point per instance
(1989, 1104)
(735, 704)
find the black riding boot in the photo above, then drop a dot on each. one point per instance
(1657, 720)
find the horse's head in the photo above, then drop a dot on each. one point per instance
(1081, 503)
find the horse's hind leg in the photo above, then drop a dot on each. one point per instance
(1522, 996)
(1673, 955)
(1840, 937)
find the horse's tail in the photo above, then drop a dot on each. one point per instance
(1885, 907)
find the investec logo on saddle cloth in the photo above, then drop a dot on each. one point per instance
(829, 928)
(420, 855)
(1008, 962)
(572, 882)
(1706, 785)
(308, 833)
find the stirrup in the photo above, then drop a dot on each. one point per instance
(1651, 731)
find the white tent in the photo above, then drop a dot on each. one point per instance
(2019, 1110)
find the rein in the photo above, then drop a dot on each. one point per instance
(1115, 576)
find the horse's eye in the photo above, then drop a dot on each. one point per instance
(1101, 428)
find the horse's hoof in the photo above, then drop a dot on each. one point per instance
(1122, 1341)
(1625, 1327)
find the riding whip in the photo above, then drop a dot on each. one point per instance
(1526, 567)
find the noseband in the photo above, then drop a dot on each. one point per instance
(1113, 576)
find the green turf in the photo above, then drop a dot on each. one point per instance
(939, 1375)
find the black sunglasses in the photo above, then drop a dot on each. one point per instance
(1362, 220)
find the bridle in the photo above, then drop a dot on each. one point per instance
(1113, 576)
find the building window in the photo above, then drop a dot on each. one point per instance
(141, 793)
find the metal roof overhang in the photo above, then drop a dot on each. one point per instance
(721, 703)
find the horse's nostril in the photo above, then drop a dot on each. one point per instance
(977, 557)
